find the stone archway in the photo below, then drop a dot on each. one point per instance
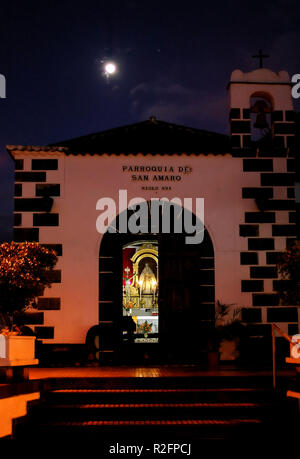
(186, 296)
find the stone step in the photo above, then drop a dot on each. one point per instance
(142, 411)
(158, 395)
(152, 408)
(146, 430)
(186, 382)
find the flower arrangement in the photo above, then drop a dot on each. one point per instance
(145, 327)
(128, 306)
(15, 331)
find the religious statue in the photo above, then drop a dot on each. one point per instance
(147, 280)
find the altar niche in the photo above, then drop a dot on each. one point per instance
(140, 291)
(160, 279)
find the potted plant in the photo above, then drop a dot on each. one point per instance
(232, 330)
(24, 269)
(225, 334)
(288, 266)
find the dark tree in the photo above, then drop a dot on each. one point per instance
(24, 269)
(288, 266)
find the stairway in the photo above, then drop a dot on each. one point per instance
(168, 409)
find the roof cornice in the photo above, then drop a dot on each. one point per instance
(34, 148)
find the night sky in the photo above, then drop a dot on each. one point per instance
(174, 61)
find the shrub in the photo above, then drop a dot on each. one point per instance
(24, 269)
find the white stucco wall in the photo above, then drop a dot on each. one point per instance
(243, 85)
(85, 179)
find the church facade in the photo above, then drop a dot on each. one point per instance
(151, 288)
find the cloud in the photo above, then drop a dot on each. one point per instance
(173, 102)
(161, 88)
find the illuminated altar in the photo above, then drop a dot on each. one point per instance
(140, 287)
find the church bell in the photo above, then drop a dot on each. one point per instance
(261, 108)
(261, 122)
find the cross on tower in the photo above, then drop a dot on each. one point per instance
(261, 56)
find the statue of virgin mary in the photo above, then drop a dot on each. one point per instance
(147, 280)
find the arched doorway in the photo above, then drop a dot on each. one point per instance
(180, 307)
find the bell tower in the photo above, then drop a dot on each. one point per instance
(261, 109)
(262, 128)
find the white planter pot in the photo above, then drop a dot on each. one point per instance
(17, 350)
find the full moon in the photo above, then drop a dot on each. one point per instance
(110, 68)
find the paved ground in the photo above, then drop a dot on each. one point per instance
(140, 372)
